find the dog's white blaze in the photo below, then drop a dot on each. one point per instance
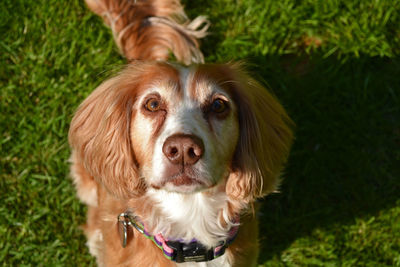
(187, 120)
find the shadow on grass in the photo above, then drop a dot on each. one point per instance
(345, 160)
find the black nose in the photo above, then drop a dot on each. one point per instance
(183, 149)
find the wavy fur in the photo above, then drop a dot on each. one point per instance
(150, 30)
(117, 144)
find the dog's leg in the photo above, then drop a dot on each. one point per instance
(85, 184)
(86, 188)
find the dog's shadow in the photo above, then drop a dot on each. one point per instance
(344, 163)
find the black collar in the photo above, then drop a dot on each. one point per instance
(174, 250)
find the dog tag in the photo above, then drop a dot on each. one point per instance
(123, 233)
(124, 229)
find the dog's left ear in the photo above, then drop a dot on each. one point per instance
(265, 137)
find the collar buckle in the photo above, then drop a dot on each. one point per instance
(190, 252)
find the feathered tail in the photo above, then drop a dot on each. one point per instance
(152, 29)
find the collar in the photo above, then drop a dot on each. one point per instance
(174, 250)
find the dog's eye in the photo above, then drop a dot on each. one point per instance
(218, 106)
(152, 104)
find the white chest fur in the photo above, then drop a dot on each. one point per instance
(192, 216)
(198, 215)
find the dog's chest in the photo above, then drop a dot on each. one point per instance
(187, 217)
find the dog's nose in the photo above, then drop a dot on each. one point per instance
(183, 149)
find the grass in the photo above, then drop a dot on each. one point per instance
(335, 66)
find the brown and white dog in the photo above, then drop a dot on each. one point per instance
(185, 149)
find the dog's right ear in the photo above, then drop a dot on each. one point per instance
(265, 134)
(99, 135)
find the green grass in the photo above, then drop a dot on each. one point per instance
(334, 65)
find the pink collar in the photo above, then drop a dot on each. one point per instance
(174, 250)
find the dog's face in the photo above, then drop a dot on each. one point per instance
(183, 130)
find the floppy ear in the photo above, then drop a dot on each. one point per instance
(99, 134)
(264, 141)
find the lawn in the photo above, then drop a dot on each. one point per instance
(334, 65)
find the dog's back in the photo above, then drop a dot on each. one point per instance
(152, 29)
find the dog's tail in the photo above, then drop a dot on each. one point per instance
(152, 29)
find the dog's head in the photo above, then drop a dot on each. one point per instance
(182, 129)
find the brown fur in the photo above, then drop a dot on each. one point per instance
(108, 154)
(150, 30)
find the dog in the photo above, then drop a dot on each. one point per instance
(170, 157)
